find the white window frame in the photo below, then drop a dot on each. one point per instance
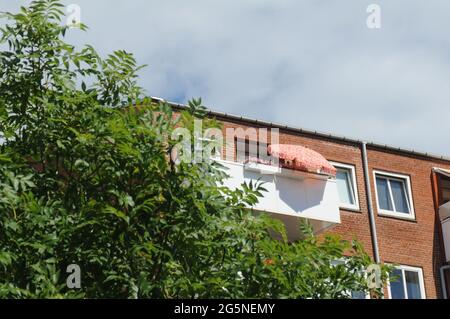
(404, 268)
(354, 185)
(407, 182)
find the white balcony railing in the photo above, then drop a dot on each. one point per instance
(291, 195)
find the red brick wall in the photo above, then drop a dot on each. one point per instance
(414, 243)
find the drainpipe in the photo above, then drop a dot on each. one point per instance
(373, 228)
(443, 282)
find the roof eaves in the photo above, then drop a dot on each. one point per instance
(315, 133)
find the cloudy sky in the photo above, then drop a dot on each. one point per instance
(311, 63)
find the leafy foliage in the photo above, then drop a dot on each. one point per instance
(85, 179)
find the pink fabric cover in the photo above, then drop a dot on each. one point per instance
(300, 158)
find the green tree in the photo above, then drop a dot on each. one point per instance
(85, 178)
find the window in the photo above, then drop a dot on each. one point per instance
(359, 295)
(394, 195)
(406, 282)
(346, 185)
(249, 149)
(444, 189)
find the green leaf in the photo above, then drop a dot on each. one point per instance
(117, 213)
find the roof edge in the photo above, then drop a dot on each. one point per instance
(334, 137)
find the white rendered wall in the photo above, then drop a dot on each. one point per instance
(291, 198)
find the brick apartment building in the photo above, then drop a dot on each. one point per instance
(405, 220)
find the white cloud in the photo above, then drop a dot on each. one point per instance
(305, 63)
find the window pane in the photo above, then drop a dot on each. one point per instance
(398, 192)
(251, 149)
(358, 295)
(412, 284)
(383, 194)
(397, 290)
(241, 150)
(344, 187)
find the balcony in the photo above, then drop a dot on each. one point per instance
(444, 215)
(442, 181)
(292, 195)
